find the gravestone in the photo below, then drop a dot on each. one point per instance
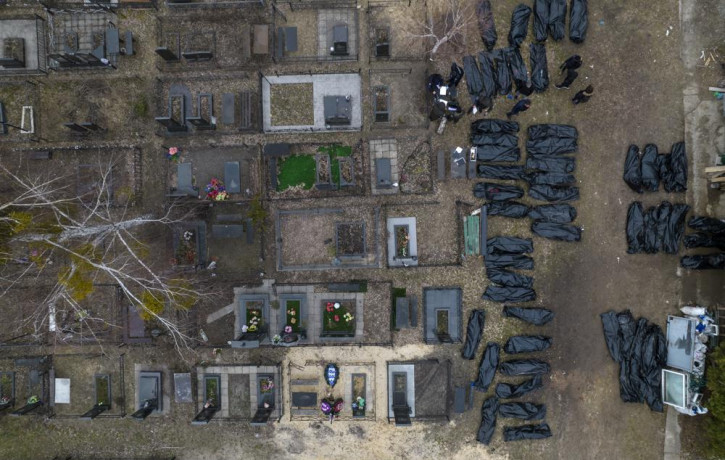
(232, 178)
(166, 54)
(339, 40)
(383, 173)
(229, 108)
(182, 388)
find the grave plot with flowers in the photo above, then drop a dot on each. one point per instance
(338, 318)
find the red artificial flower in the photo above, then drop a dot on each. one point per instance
(336, 318)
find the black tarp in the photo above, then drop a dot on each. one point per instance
(474, 333)
(455, 76)
(519, 25)
(474, 79)
(635, 228)
(675, 178)
(517, 67)
(503, 74)
(562, 213)
(508, 294)
(524, 367)
(550, 178)
(509, 278)
(487, 368)
(510, 390)
(507, 140)
(497, 192)
(539, 67)
(508, 209)
(578, 21)
(488, 420)
(557, 19)
(522, 410)
(553, 193)
(704, 240)
(509, 245)
(674, 229)
(551, 130)
(535, 316)
(552, 145)
(526, 344)
(707, 224)
(541, 19)
(518, 261)
(557, 231)
(486, 25)
(714, 261)
(640, 348)
(505, 172)
(518, 433)
(650, 172)
(493, 125)
(633, 169)
(485, 61)
(551, 163)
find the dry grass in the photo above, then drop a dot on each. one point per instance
(291, 104)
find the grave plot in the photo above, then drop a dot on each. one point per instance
(19, 111)
(88, 387)
(387, 38)
(197, 105)
(235, 239)
(243, 393)
(355, 386)
(202, 39)
(323, 238)
(83, 39)
(436, 234)
(94, 109)
(318, 102)
(22, 46)
(310, 31)
(419, 390)
(314, 170)
(395, 101)
(25, 385)
(26, 322)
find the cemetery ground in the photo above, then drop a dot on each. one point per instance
(638, 83)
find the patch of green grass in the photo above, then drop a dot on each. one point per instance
(296, 170)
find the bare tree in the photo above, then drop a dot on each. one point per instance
(80, 239)
(446, 24)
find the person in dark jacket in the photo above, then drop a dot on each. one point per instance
(572, 63)
(570, 77)
(583, 95)
(521, 106)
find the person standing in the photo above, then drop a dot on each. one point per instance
(572, 63)
(521, 106)
(583, 95)
(569, 79)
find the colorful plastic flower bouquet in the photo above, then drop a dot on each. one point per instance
(215, 190)
(173, 154)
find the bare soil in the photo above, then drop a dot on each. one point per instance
(291, 104)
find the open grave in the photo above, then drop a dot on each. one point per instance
(22, 46)
(355, 385)
(318, 102)
(243, 392)
(418, 390)
(324, 238)
(203, 39)
(207, 104)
